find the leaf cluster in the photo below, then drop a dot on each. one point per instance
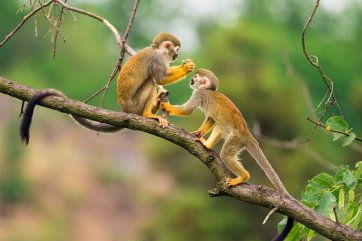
(337, 197)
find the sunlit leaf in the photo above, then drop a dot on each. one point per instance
(337, 123)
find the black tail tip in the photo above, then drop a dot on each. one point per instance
(288, 227)
(24, 136)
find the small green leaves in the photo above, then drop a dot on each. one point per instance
(326, 203)
(337, 197)
(337, 123)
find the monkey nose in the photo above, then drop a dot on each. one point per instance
(192, 81)
(175, 56)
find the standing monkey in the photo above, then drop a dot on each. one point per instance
(226, 122)
(136, 85)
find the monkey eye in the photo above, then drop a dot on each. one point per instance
(177, 48)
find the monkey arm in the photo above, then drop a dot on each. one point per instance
(175, 73)
(205, 127)
(180, 110)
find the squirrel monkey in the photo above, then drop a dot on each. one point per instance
(226, 122)
(136, 85)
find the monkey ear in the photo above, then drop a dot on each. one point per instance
(205, 82)
(167, 44)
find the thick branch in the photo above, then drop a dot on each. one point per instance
(254, 194)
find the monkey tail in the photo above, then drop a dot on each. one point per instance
(288, 227)
(255, 151)
(34, 100)
(95, 125)
(28, 113)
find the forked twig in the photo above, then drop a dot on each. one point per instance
(128, 49)
(313, 60)
(25, 18)
(118, 64)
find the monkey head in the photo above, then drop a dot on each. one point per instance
(204, 79)
(167, 44)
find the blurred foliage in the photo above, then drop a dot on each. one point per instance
(254, 47)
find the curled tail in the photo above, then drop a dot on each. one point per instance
(28, 113)
(34, 100)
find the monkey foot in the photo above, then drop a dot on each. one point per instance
(231, 182)
(161, 121)
(203, 142)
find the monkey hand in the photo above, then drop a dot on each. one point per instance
(165, 106)
(188, 65)
(162, 95)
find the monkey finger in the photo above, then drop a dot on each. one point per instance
(185, 61)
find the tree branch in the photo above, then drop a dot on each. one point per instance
(254, 194)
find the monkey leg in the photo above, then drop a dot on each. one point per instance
(175, 73)
(205, 127)
(157, 101)
(149, 107)
(213, 138)
(229, 155)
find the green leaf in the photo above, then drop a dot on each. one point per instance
(340, 174)
(282, 224)
(337, 123)
(326, 203)
(349, 179)
(349, 139)
(322, 181)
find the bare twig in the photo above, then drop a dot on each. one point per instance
(118, 64)
(313, 60)
(128, 49)
(54, 26)
(335, 214)
(25, 18)
(56, 33)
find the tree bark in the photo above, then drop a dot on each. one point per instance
(254, 194)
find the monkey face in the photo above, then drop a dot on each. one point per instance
(199, 82)
(169, 49)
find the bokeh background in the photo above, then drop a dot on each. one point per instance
(71, 184)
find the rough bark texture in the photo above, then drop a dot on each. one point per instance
(254, 194)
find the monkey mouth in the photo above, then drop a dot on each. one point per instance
(175, 57)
